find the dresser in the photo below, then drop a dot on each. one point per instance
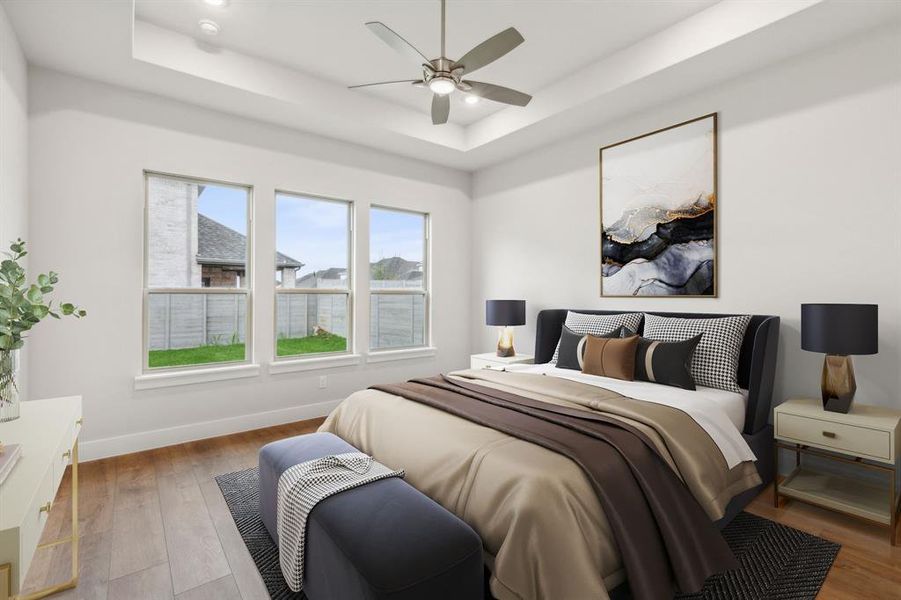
(866, 442)
(48, 433)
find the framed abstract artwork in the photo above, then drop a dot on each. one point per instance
(658, 212)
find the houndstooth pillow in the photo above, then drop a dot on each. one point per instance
(600, 325)
(715, 362)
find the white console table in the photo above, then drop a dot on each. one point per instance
(48, 432)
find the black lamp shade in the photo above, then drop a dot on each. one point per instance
(841, 329)
(505, 312)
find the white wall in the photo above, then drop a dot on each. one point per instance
(89, 145)
(13, 154)
(809, 208)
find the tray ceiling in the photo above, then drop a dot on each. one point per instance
(289, 63)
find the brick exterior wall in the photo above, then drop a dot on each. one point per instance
(172, 243)
(224, 277)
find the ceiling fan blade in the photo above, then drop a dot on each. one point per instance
(413, 81)
(498, 93)
(490, 50)
(440, 109)
(390, 37)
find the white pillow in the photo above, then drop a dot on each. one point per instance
(585, 324)
(715, 361)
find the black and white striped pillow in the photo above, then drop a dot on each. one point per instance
(571, 349)
(599, 325)
(715, 361)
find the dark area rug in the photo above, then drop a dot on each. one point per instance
(777, 562)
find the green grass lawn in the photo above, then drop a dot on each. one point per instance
(201, 355)
(312, 344)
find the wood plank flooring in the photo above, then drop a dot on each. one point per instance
(154, 526)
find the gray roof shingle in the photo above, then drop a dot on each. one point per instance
(221, 245)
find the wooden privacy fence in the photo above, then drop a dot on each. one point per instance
(298, 315)
(192, 320)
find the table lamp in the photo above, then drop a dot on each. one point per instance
(839, 330)
(505, 314)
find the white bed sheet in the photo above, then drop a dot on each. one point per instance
(720, 413)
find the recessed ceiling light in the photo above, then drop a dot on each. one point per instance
(208, 27)
(216, 3)
(470, 99)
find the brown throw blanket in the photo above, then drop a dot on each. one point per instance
(667, 542)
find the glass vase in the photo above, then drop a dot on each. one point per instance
(9, 391)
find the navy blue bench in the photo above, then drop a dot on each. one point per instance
(383, 540)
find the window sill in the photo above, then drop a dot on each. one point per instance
(312, 364)
(378, 356)
(149, 381)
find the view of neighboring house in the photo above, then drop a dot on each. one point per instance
(220, 254)
(388, 271)
(196, 250)
(333, 277)
(384, 273)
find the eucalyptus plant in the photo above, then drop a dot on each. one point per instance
(24, 305)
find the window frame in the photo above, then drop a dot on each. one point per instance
(348, 292)
(425, 291)
(246, 291)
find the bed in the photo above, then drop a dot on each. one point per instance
(544, 531)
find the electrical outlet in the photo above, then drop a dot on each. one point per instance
(323, 382)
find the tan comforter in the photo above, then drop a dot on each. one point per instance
(544, 532)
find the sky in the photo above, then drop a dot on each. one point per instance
(315, 231)
(227, 205)
(312, 231)
(395, 233)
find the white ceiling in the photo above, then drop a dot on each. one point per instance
(328, 39)
(289, 62)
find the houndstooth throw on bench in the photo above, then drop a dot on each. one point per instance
(303, 486)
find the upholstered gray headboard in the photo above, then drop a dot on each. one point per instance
(756, 363)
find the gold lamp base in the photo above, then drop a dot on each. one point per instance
(838, 383)
(505, 343)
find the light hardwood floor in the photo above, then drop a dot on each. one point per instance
(154, 526)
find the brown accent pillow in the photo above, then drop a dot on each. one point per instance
(610, 357)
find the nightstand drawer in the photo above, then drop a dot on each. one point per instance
(490, 360)
(480, 363)
(862, 441)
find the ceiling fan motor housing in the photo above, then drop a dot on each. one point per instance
(442, 76)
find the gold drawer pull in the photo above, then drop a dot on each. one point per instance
(67, 454)
(45, 508)
(828, 434)
(79, 421)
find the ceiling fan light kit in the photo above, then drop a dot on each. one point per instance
(443, 76)
(442, 85)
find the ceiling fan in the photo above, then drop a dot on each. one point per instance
(443, 75)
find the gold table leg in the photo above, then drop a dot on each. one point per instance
(73, 539)
(6, 581)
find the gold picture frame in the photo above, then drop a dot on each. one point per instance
(704, 207)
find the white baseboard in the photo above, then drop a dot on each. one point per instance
(157, 438)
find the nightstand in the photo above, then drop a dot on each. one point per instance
(491, 360)
(867, 438)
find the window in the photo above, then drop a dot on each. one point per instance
(196, 292)
(312, 275)
(398, 279)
